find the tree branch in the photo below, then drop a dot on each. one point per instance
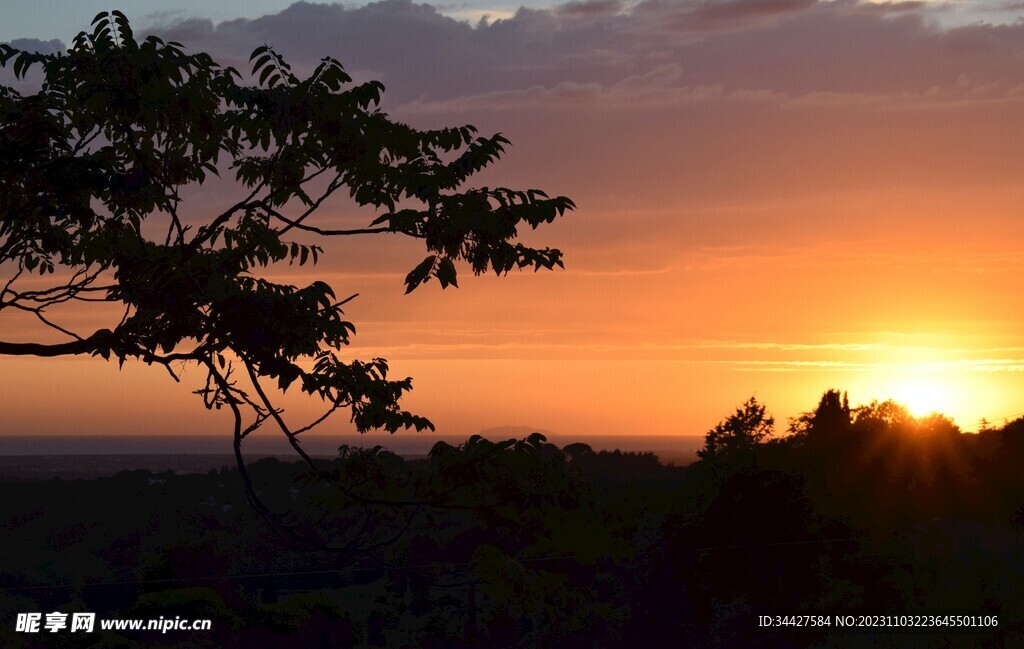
(71, 348)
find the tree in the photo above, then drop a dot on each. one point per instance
(830, 419)
(739, 433)
(93, 170)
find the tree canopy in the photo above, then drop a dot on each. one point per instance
(95, 166)
(738, 433)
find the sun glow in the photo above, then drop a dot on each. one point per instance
(924, 394)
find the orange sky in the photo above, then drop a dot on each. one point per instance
(824, 197)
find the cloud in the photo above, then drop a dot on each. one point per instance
(1010, 6)
(36, 45)
(721, 15)
(654, 88)
(896, 7)
(158, 19)
(986, 365)
(591, 8)
(840, 50)
(479, 17)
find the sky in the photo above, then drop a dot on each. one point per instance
(775, 198)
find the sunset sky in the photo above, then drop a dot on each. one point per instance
(775, 197)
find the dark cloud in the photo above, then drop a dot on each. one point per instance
(721, 15)
(794, 47)
(36, 45)
(391, 39)
(590, 7)
(31, 81)
(794, 97)
(155, 19)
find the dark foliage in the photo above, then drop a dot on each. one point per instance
(522, 544)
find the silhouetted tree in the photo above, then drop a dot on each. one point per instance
(882, 417)
(95, 168)
(739, 433)
(832, 417)
(577, 451)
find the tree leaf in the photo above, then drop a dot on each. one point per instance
(446, 273)
(420, 274)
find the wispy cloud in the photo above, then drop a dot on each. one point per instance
(987, 365)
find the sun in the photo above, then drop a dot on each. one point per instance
(923, 395)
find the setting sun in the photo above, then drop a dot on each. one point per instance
(923, 395)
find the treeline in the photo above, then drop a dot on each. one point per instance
(524, 544)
